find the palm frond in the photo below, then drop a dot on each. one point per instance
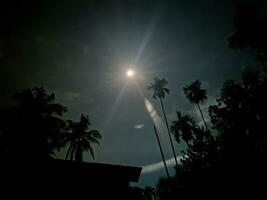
(159, 87)
(166, 90)
(91, 150)
(194, 93)
(56, 108)
(95, 133)
(93, 140)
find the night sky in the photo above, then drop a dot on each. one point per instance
(82, 49)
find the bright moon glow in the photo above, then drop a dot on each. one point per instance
(130, 73)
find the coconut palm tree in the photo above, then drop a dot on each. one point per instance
(196, 95)
(183, 128)
(33, 125)
(159, 91)
(81, 139)
(161, 152)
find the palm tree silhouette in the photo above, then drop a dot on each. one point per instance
(196, 95)
(161, 152)
(183, 127)
(81, 139)
(160, 90)
(35, 127)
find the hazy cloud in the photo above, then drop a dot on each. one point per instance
(160, 165)
(68, 96)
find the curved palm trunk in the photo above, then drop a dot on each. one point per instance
(73, 151)
(162, 155)
(169, 133)
(79, 153)
(202, 116)
(68, 152)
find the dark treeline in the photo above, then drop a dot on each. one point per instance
(227, 155)
(33, 129)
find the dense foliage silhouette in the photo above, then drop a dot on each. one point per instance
(250, 29)
(33, 128)
(230, 159)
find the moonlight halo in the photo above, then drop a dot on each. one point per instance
(130, 73)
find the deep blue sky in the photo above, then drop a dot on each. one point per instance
(81, 50)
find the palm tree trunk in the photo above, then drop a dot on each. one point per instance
(79, 153)
(169, 133)
(202, 116)
(73, 151)
(68, 152)
(162, 155)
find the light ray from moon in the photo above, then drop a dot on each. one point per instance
(154, 115)
(149, 32)
(150, 109)
(116, 104)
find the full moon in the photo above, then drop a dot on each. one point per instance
(130, 73)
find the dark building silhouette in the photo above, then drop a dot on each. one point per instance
(67, 178)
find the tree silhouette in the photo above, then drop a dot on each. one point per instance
(249, 29)
(196, 95)
(149, 193)
(183, 128)
(159, 91)
(234, 153)
(33, 127)
(231, 158)
(161, 151)
(80, 139)
(241, 112)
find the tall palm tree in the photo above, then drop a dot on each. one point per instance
(33, 126)
(81, 139)
(160, 90)
(183, 128)
(161, 152)
(196, 95)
